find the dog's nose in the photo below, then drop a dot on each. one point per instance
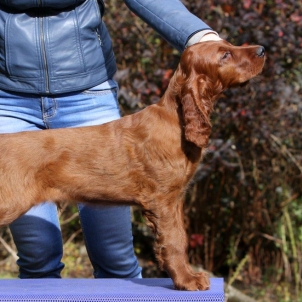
(260, 51)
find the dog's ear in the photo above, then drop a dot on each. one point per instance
(197, 104)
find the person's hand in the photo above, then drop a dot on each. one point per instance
(210, 37)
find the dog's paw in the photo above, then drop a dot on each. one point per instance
(194, 282)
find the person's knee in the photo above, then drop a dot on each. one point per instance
(42, 262)
(39, 245)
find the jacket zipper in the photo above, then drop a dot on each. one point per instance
(99, 37)
(42, 39)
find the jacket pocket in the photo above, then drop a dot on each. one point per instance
(22, 56)
(77, 48)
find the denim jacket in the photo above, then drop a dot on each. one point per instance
(59, 46)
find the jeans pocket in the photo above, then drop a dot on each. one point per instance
(99, 92)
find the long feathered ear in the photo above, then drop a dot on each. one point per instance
(197, 104)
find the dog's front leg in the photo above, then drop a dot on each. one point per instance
(166, 220)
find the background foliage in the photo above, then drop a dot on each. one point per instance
(244, 208)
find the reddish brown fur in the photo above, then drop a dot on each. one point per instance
(147, 158)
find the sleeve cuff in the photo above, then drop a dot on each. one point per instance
(195, 38)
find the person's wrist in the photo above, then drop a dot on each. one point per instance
(203, 35)
(210, 37)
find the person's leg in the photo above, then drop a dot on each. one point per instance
(107, 230)
(37, 233)
(38, 239)
(109, 242)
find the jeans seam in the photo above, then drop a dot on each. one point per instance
(47, 116)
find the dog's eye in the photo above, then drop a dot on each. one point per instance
(226, 55)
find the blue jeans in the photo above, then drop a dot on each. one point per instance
(37, 235)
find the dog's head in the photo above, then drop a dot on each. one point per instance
(222, 63)
(205, 70)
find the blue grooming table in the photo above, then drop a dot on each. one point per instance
(104, 290)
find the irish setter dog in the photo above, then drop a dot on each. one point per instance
(146, 159)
